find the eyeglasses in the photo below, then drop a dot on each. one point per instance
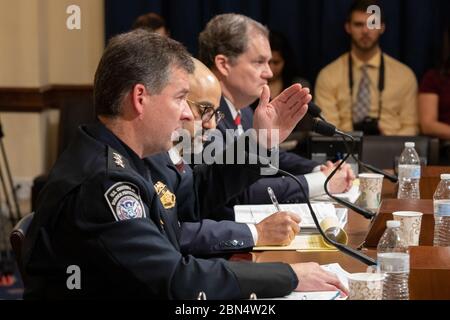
(207, 112)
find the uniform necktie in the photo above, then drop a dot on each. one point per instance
(362, 106)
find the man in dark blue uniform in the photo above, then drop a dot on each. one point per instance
(236, 48)
(193, 195)
(100, 214)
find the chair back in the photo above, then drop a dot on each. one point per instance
(383, 151)
(17, 238)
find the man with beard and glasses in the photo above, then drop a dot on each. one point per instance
(366, 89)
(193, 197)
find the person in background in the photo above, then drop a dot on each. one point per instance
(285, 73)
(366, 89)
(283, 65)
(153, 22)
(434, 100)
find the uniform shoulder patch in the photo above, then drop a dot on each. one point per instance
(168, 199)
(124, 201)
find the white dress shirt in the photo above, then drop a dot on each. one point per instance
(315, 179)
(176, 159)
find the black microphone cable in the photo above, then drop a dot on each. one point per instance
(390, 177)
(343, 248)
(325, 128)
(366, 213)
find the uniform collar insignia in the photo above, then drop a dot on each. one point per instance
(118, 160)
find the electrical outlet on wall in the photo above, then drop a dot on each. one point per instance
(23, 188)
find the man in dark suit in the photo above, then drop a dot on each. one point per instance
(236, 48)
(194, 195)
(100, 231)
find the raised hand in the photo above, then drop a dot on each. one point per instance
(282, 113)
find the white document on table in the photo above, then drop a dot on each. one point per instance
(255, 213)
(352, 195)
(322, 295)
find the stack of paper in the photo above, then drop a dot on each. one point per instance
(322, 295)
(352, 195)
(256, 213)
(319, 295)
(301, 243)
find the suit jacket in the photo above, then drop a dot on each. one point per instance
(198, 235)
(99, 212)
(286, 190)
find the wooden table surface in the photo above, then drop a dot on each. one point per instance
(430, 266)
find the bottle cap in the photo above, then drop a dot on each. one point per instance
(410, 144)
(445, 176)
(393, 224)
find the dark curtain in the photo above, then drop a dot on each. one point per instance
(315, 28)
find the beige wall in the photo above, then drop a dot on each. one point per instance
(37, 49)
(20, 29)
(74, 54)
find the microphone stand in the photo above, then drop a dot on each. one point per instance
(13, 219)
(332, 130)
(390, 177)
(343, 248)
(6, 259)
(326, 129)
(366, 213)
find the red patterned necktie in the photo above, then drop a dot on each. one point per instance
(180, 166)
(237, 120)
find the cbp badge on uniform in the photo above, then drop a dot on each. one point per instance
(124, 201)
(168, 199)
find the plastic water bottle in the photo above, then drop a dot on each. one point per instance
(393, 261)
(409, 173)
(441, 204)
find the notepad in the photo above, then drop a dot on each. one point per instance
(302, 243)
(255, 213)
(321, 295)
(352, 195)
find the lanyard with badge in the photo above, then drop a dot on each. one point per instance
(368, 125)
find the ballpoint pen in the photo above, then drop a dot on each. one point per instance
(273, 199)
(337, 295)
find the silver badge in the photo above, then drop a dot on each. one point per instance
(118, 160)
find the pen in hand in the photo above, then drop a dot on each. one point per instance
(273, 199)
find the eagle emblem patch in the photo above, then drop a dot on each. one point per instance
(168, 199)
(124, 201)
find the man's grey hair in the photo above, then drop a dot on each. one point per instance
(227, 34)
(136, 57)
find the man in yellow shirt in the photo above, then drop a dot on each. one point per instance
(365, 89)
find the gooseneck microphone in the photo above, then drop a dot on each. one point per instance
(365, 213)
(327, 129)
(341, 247)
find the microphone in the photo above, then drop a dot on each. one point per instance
(311, 123)
(314, 110)
(327, 129)
(341, 247)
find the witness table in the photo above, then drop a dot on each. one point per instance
(430, 266)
